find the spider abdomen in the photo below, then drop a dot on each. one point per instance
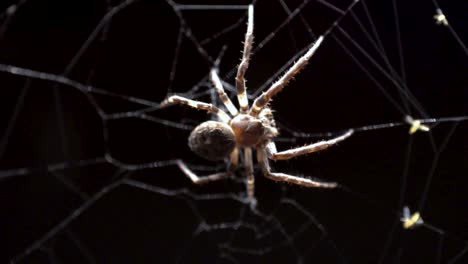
(212, 140)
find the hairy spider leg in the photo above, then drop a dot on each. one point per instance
(244, 65)
(265, 165)
(234, 158)
(203, 179)
(221, 93)
(198, 105)
(261, 101)
(249, 171)
(291, 153)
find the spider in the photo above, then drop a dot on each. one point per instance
(248, 128)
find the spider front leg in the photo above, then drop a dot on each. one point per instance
(262, 100)
(198, 105)
(291, 153)
(222, 94)
(240, 77)
(265, 165)
(204, 179)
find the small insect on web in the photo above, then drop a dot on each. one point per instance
(250, 128)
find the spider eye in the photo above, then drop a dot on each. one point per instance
(212, 140)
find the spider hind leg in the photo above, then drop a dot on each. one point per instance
(204, 179)
(264, 164)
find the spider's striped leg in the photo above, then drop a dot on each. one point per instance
(291, 153)
(262, 100)
(222, 95)
(249, 171)
(203, 179)
(265, 165)
(198, 105)
(234, 159)
(240, 78)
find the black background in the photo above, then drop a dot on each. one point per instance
(134, 57)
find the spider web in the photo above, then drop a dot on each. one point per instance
(87, 154)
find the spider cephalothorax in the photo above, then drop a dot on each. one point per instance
(249, 128)
(250, 131)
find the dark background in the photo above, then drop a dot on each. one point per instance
(133, 56)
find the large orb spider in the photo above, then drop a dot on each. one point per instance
(248, 128)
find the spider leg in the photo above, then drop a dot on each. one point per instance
(249, 171)
(219, 88)
(262, 100)
(291, 153)
(234, 159)
(240, 80)
(198, 105)
(264, 164)
(204, 179)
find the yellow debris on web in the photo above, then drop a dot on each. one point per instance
(410, 221)
(440, 18)
(416, 125)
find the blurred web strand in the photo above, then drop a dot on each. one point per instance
(441, 19)
(227, 250)
(416, 125)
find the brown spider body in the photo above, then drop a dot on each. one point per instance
(250, 129)
(212, 140)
